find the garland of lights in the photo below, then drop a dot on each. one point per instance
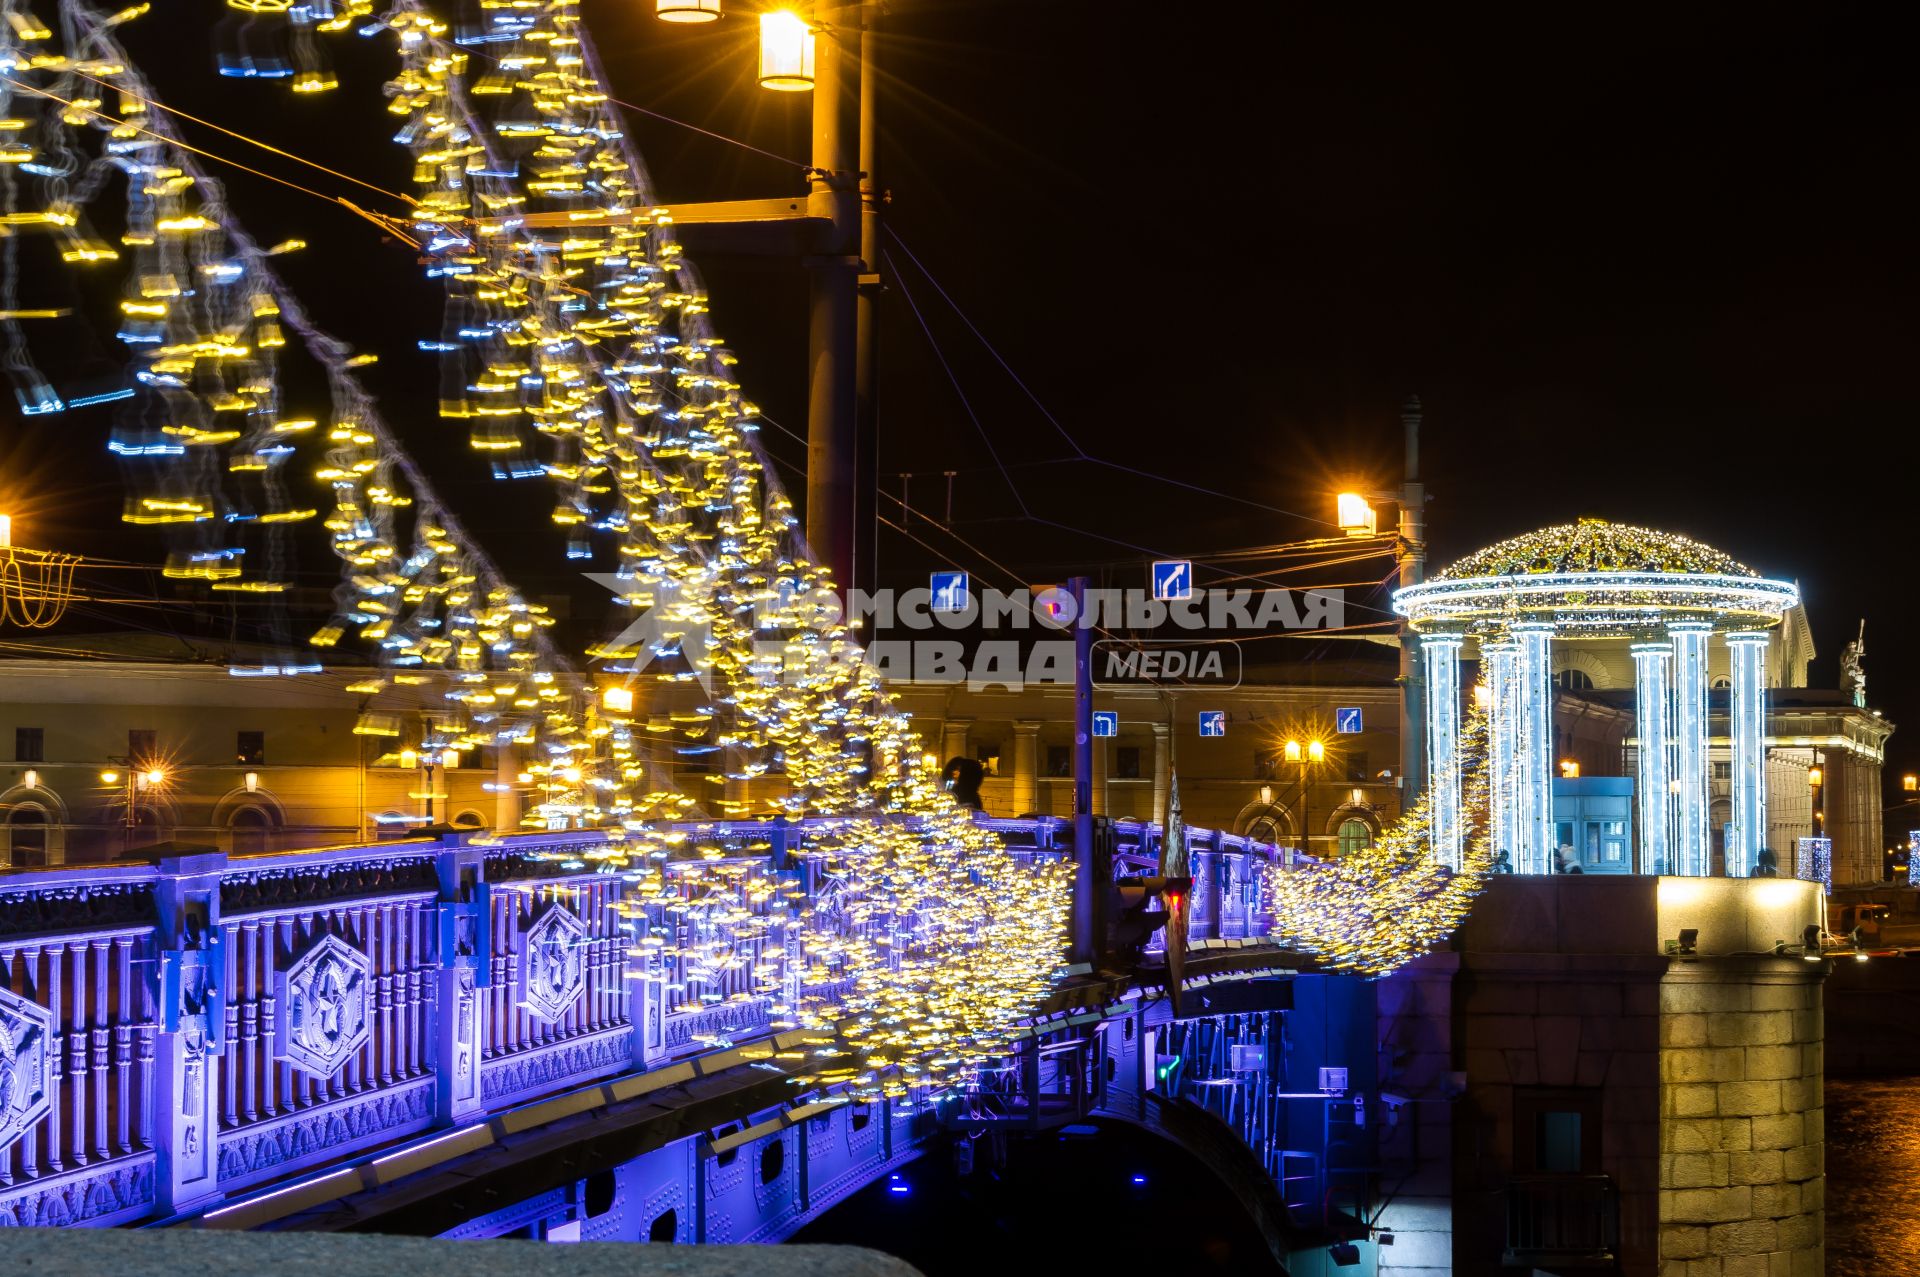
(1380, 908)
(1595, 545)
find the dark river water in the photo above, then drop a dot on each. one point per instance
(1873, 1162)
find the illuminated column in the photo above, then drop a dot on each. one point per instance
(1651, 665)
(1533, 768)
(1026, 766)
(1503, 723)
(1691, 848)
(1442, 653)
(1749, 753)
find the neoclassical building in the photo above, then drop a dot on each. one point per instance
(1648, 709)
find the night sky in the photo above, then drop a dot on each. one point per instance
(1649, 264)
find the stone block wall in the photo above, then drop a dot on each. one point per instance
(1556, 1020)
(1742, 1176)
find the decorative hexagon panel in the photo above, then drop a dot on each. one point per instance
(327, 1001)
(553, 965)
(25, 1031)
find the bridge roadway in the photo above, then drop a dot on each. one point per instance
(363, 1039)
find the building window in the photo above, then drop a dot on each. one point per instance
(1356, 764)
(1556, 1132)
(1574, 680)
(29, 744)
(988, 756)
(1266, 765)
(1721, 683)
(1723, 771)
(469, 820)
(143, 746)
(250, 747)
(1126, 762)
(1059, 760)
(1355, 836)
(250, 828)
(27, 835)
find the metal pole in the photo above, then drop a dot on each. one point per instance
(866, 493)
(1084, 941)
(1412, 557)
(832, 445)
(1306, 818)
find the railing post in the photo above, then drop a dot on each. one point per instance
(190, 998)
(465, 917)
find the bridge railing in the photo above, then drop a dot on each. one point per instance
(175, 1032)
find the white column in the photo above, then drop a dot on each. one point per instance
(1534, 769)
(1651, 666)
(1503, 723)
(1442, 653)
(1749, 753)
(1692, 851)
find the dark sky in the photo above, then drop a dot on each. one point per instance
(1648, 263)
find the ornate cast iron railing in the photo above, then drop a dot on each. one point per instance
(175, 1033)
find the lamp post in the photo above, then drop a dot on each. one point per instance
(424, 761)
(830, 51)
(1311, 753)
(1355, 516)
(136, 775)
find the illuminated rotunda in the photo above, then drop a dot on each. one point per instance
(1665, 596)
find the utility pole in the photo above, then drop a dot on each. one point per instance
(834, 202)
(1085, 937)
(1410, 553)
(835, 232)
(865, 568)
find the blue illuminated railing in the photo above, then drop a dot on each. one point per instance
(183, 1031)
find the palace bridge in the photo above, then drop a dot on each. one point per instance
(456, 1035)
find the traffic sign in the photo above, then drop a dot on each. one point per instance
(1106, 722)
(1213, 722)
(1349, 722)
(1173, 580)
(949, 590)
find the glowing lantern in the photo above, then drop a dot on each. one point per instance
(618, 699)
(1354, 515)
(686, 10)
(786, 52)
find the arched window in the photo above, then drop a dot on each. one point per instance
(469, 820)
(27, 834)
(1355, 836)
(1574, 680)
(1721, 682)
(252, 830)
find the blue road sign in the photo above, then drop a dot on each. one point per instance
(1173, 580)
(1106, 722)
(1349, 722)
(949, 590)
(1213, 722)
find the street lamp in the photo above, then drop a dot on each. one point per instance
(1910, 782)
(786, 52)
(836, 231)
(1354, 513)
(686, 10)
(1305, 755)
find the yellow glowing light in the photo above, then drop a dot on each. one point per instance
(786, 52)
(686, 10)
(109, 778)
(1354, 514)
